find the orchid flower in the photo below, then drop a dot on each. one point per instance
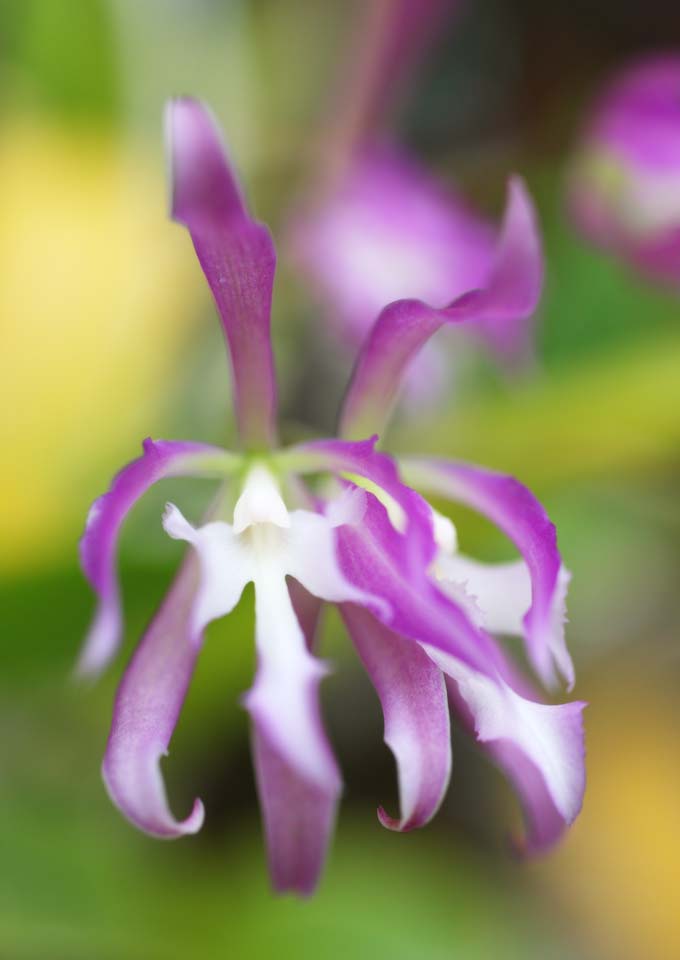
(420, 614)
(624, 180)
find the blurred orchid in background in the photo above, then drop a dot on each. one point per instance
(379, 226)
(624, 179)
(332, 520)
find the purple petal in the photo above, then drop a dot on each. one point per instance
(387, 232)
(360, 458)
(299, 817)
(147, 706)
(297, 777)
(625, 172)
(511, 293)
(517, 512)
(379, 559)
(237, 257)
(392, 565)
(161, 458)
(540, 748)
(413, 696)
(636, 117)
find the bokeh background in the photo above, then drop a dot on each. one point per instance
(108, 335)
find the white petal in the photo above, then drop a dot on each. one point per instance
(312, 559)
(501, 591)
(549, 735)
(284, 699)
(226, 566)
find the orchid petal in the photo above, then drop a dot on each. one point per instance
(381, 560)
(237, 257)
(226, 568)
(298, 813)
(515, 510)
(413, 696)
(512, 292)
(299, 818)
(147, 706)
(359, 459)
(161, 458)
(388, 231)
(500, 593)
(539, 746)
(283, 701)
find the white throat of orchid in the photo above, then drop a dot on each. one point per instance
(266, 543)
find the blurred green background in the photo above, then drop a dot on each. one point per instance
(108, 335)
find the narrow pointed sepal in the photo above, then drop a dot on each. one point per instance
(413, 697)
(147, 706)
(237, 257)
(160, 459)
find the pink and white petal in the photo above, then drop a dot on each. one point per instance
(226, 568)
(539, 746)
(147, 706)
(402, 329)
(312, 557)
(161, 458)
(521, 517)
(378, 559)
(237, 257)
(354, 459)
(283, 701)
(413, 697)
(298, 814)
(298, 800)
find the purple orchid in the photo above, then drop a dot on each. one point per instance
(624, 182)
(421, 615)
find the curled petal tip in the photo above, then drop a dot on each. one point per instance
(145, 804)
(394, 823)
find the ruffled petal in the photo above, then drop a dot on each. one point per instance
(539, 746)
(413, 696)
(236, 254)
(511, 293)
(161, 458)
(499, 594)
(515, 510)
(147, 706)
